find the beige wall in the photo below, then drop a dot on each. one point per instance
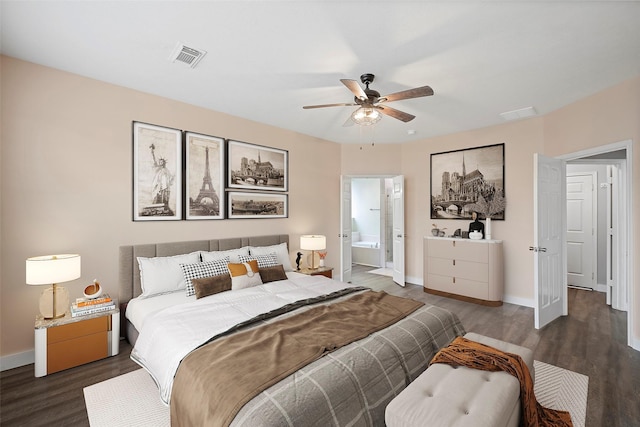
(607, 117)
(65, 179)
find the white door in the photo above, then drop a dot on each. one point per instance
(345, 229)
(548, 223)
(582, 253)
(398, 230)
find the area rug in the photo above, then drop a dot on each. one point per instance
(382, 271)
(132, 399)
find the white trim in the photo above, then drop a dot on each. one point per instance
(16, 360)
(525, 302)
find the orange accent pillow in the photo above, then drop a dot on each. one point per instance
(244, 275)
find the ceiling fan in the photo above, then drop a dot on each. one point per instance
(372, 104)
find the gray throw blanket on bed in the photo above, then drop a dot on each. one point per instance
(215, 381)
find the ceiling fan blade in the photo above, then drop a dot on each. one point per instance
(396, 114)
(306, 107)
(407, 94)
(355, 88)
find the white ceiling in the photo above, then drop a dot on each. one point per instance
(266, 59)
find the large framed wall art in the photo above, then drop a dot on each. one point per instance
(257, 205)
(157, 173)
(204, 176)
(467, 181)
(255, 167)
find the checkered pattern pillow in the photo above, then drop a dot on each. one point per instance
(269, 260)
(203, 269)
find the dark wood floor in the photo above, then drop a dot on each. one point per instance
(591, 341)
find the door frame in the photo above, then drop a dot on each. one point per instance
(340, 232)
(625, 216)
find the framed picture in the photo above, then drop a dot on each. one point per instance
(467, 181)
(255, 167)
(204, 176)
(157, 173)
(257, 205)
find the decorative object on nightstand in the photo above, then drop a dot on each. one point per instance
(313, 243)
(322, 255)
(53, 269)
(94, 290)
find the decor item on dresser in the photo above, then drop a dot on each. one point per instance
(256, 167)
(459, 178)
(313, 243)
(204, 176)
(490, 208)
(157, 173)
(470, 270)
(228, 321)
(51, 270)
(257, 205)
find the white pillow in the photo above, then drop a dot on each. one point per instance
(161, 275)
(281, 251)
(232, 254)
(203, 269)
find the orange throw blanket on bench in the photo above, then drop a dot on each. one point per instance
(464, 352)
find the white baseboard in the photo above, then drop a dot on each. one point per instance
(16, 360)
(525, 302)
(413, 280)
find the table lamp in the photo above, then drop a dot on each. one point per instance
(313, 243)
(53, 269)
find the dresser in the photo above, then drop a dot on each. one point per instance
(470, 270)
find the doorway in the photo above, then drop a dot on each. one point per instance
(619, 226)
(372, 230)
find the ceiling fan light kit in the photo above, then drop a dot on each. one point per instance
(366, 116)
(372, 104)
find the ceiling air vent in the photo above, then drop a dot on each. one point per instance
(187, 55)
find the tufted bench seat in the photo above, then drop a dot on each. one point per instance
(461, 397)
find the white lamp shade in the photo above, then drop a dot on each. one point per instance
(312, 242)
(48, 269)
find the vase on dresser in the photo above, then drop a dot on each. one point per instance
(487, 229)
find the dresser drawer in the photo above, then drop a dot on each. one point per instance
(77, 329)
(459, 286)
(458, 249)
(77, 351)
(458, 268)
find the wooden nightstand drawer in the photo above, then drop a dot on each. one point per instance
(77, 351)
(77, 329)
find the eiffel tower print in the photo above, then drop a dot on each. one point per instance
(207, 202)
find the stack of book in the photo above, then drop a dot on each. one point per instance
(86, 306)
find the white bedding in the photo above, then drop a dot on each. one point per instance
(170, 333)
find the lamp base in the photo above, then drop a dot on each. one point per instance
(54, 302)
(313, 260)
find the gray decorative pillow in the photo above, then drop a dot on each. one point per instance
(206, 286)
(272, 274)
(203, 269)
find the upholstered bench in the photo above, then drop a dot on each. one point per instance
(459, 397)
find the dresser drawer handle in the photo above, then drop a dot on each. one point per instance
(454, 262)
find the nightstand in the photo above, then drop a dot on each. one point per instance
(72, 341)
(321, 271)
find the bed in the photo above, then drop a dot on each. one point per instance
(347, 385)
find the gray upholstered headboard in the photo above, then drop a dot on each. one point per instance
(129, 279)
